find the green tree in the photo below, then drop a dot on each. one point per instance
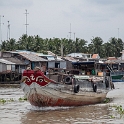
(80, 45)
(9, 45)
(116, 46)
(97, 43)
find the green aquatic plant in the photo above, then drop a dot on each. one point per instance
(11, 100)
(119, 110)
(111, 116)
(22, 99)
(107, 100)
(6, 100)
(2, 101)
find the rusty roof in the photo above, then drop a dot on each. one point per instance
(114, 61)
(70, 59)
(32, 57)
(112, 58)
(14, 60)
(95, 56)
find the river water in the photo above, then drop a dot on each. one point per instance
(14, 110)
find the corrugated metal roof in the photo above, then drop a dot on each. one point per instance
(114, 61)
(80, 55)
(112, 58)
(70, 59)
(32, 57)
(6, 62)
(14, 60)
(51, 53)
(74, 55)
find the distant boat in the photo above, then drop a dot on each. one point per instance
(117, 76)
(69, 90)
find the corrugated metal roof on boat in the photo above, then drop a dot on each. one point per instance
(32, 57)
(6, 62)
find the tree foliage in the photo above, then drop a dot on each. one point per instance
(37, 44)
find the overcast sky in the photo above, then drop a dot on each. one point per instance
(55, 18)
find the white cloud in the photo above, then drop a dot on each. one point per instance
(15, 3)
(52, 18)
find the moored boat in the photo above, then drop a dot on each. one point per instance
(69, 90)
(117, 76)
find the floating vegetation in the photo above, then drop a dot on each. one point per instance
(22, 99)
(119, 110)
(111, 116)
(6, 100)
(3, 101)
(107, 100)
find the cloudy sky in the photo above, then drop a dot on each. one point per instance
(56, 18)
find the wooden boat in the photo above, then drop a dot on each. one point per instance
(117, 76)
(70, 90)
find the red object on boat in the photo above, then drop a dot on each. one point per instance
(36, 77)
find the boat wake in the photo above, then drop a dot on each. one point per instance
(34, 108)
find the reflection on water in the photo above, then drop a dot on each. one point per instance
(17, 112)
(74, 115)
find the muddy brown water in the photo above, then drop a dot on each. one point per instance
(21, 112)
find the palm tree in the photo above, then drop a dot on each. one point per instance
(97, 45)
(80, 45)
(9, 45)
(116, 46)
(107, 49)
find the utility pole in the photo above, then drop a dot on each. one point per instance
(61, 48)
(74, 36)
(1, 27)
(26, 20)
(70, 31)
(8, 31)
(118, 33)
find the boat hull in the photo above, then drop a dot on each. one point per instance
(41, 91)
(45, 96)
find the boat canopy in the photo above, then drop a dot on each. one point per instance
(81, 63)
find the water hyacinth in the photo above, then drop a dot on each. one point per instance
(3, 101)
(119, 110)
(22, 99)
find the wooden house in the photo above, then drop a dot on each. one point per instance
(21, 60)
(6, 70)
(6, 66)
